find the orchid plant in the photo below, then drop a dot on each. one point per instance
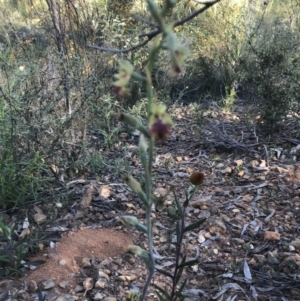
(159, 125)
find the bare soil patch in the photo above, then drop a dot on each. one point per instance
(73, 248)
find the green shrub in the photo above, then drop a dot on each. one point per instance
(270, 65)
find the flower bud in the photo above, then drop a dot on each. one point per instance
(132, 183)
(128, 220)
(133, 121)
(143, 144)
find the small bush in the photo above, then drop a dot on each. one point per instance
(270, 65)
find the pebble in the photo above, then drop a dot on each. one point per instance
(98, 296)
(62, 262)
(65, 298)
(32, 286)
(101, 283)
(63, 284)
(272, 236)
(47, 284)
(292, 248)
(86, 262)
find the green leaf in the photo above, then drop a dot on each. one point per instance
(194, 225)
(162, 292)
(189, 263)
(160, 297)
(180, 270)
(178, 205)
(35, 262)
(165, 273)
(179, 274)
(5, 258)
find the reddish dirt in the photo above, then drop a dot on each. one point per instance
(90, 243)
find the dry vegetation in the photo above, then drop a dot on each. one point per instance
(236, 99)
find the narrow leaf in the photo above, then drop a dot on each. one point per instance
(179, 274)
(160, 297)
(162, 291)
(247, 272)
(189, 263)
(194, 225)
(178, 205)
(165, 273)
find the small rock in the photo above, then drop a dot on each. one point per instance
(237, 241)
(98, 296)
(241, 173)
(218, 191)
(272, 259)
(254, 163)
(201, 238)
(207, 235)
(216, 226)
(126, 277)
(238, 162)
(272, 236)
(88, 284)
(86, 262)
(22, 296)
(65, 298)
(24, 233)
(226, 171)
(47, 284)
(32, 286)
(296, 244)
(101, 283)
(220, 165)
(215, 251)
(263, 163)
(103, 274)
(261, 259)
(292, 260)
(110, 299)
(62, 262)
(78, 289)
(63, 284)
(252, 261)
(204, 214)
(39, 218)
(292, 248)
(163, 239)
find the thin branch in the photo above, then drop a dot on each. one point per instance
(150, 35)
(119, 50)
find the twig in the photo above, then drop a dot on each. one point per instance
(150, 35)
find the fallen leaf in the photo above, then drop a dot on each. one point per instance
(37, 209)
(87, 198)
(39, 218)
(24, 233)
(104, 191)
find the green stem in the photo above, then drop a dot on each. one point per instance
(150, 249)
